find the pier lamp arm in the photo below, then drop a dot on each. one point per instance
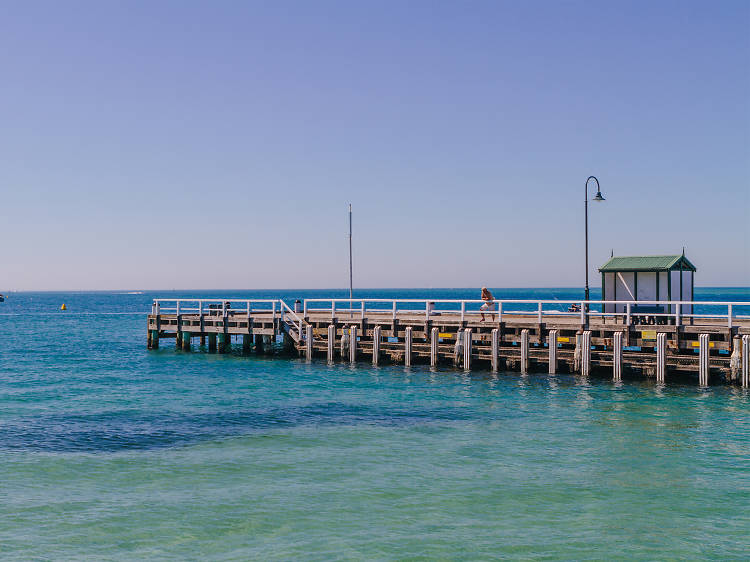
(597, 197)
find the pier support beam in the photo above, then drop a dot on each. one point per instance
(153, 339)
(407, 346)
(552, 347)
(661, 357)
(495, 345)
(353, 343)
(212, 343)
(586, 353)
(524, 351)
(703, 363)
(185, 339)
(434, 340)
(178, 339)
(617, 357)
(246, 343)
(467, 349)
(331, 341)
(308, 342)
(745, 361)
(376, 337)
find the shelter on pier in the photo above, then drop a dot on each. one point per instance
(648, 278)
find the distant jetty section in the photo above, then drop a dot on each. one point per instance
(707, 341)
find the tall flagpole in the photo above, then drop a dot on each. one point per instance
(351, 283)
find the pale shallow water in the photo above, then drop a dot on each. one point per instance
(114, 452)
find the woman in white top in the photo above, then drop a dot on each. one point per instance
(489, 302)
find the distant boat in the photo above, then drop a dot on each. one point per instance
(2, 298)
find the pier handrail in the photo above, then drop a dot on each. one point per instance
(672, 309)
(298, 323)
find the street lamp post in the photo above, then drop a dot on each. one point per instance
(597, 197)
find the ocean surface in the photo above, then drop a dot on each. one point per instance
(112, 452)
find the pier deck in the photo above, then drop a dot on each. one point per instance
(713, 343)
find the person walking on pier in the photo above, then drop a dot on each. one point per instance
(489, 302)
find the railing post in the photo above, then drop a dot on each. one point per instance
(394, 311)
(248, 310)
(677, 312)
(729, 315)
(158, 307)
(500, 311)
(363, 311)
(627, 314)
(304, 309)
(583, 312)
(463, 311)
(178, 308)
(333, 310)
(426, 310)
(539, 312)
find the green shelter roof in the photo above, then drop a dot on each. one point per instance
(647, 263)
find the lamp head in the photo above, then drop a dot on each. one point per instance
(598, 197)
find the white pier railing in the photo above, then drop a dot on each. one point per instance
(627, 312)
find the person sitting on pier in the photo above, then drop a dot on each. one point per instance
(489, 302)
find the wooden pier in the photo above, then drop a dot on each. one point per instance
(523, 336)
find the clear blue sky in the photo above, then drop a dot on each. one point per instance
(175, 144)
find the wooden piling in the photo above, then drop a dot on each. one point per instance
(661, 357)
(154, 341)
(185, 339)
(212, 343)
(467, 349)
(331, 342)
(344, 343)
(376, 337)
(703, 362)
(524, 351)
(586, 353)
(203, 339)
(617, 356)
(246, 343)
(259, 344)
(552, 348)
(407, 346)
(224, 345)
(495, 349)
(308, 342)
(745, 361)
(353, 343)
(434, 340)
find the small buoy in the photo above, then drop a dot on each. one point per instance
(63, 307)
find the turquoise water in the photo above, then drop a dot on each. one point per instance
(110, 451)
